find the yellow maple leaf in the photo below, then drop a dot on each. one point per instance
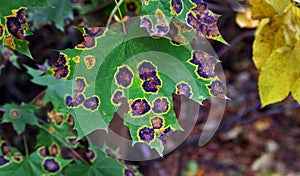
(279, 73)
(261, 9)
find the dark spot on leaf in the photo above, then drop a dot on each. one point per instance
(89, 61)
(146, 134)
(163, 135)
(21, 16)
(160, 105)
(205, 63)
(176, 6)
(3, 161)
(140, 107)
(80, 84)
(128, 172)
(61, 72)
(160, 29)
(17, 157)
(184, 89)
(216, 88)
(203, 21)
(76, 101)
(61, 61)
(157, 122)
(146, 70)
(69, 101)
(94, 31)
(54, 150)
(117, 97)
(92, 103)
(72, 141)
(58, 119)
(5, 149)
(14, 114)
(90, 154)
(51, 165)
(1, 31)
(124, 76)
(88, 42)
(43, 151)
(152, 84)
(16, 25)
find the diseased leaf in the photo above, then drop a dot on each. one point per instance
(271, 35)
(275, 53)
(35, 164)
(20, 116)
(158, 14)
(142, 71)
(278, 75)
(8, 5)
(13, 30)
(57, 13)
(261, 9)
(56, 90)
(279, 5)
(100, 164)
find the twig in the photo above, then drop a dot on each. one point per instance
(113, 12)
(25, 145)
(235, 41)
(270, 112)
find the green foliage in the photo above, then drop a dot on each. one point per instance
(109, 69)
(19, 116)
(279, 37)
(8, 5)
(101, 68)
(57, 12)
(100, 165)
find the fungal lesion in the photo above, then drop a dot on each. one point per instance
(176, 7)
(89, 61)
(89, 37)
(148, 74)
(16, 24)
(184, 88)
(216, 88)
(160, 105)
(164, 134)
(205, 64)
(60, 67)
(124, 76)
(161, 28)
(116, 97)
(202, 20)
(146, 134)
(50, 165)
(157, 122)
(140, 107)
(92, 103)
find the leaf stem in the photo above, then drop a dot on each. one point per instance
(62, 141)
(113, 12)
(25, 144)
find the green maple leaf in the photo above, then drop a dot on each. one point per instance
(20, 116)
(34, 165)
(99, 72)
